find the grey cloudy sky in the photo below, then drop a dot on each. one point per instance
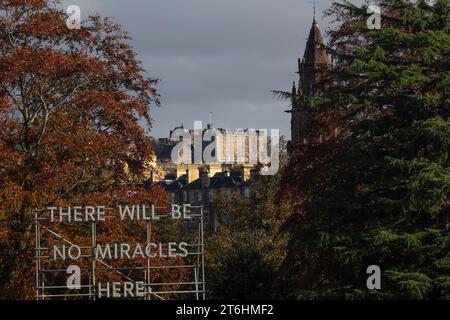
(220, 56)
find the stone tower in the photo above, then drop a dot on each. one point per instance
(315, 60)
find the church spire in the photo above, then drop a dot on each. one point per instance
(315, 52)
(314, 59)
(311, 69)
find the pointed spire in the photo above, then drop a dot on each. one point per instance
(314, 60)
(314, 52)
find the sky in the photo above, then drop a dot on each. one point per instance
(219, 56)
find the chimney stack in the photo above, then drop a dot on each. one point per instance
(205, 180)
(254, 174)
(188, 180)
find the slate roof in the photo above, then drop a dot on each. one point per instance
(315, 54)
(163, 151)
(177, 184)
(218, 181)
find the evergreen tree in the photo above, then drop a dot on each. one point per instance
(377, 193)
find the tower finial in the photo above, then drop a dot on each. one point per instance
(314, 13)
(314, 2)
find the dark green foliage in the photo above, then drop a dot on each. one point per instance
(382, 194)
(242, 275)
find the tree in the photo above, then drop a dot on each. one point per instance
(71, 104)
(378, 192)
(249, 245)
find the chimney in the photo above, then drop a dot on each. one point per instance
(152, 177)
(243, 174)
(205, 180)
(187, 177)
(210, 124)
(254, 174)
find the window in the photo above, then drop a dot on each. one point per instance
(196, 196)
(211, 195)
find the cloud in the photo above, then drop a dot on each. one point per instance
(220, 56)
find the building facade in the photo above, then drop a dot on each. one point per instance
(231, 147)
(205, 189)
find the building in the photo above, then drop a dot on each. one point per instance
(311, 69)
(198, 184)
(233, 147)
(232, 173)
(204, 190)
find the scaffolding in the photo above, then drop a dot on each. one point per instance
(190, 288)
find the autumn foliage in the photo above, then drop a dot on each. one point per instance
(72, 105)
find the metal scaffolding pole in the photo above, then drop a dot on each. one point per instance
(37, 253)
(94, 259)
(149, 262)
(202, 247)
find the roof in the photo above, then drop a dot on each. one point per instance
(177, 184)
(315, 53)
(218, 182)
(163, 151)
